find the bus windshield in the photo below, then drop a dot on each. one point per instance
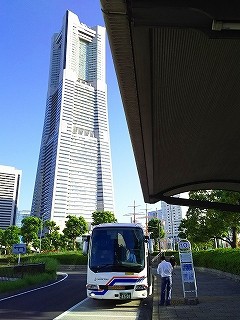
(117, 249)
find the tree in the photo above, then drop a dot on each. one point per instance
(51, 226)
(156, 230)
(63, 242)
(99, 217)
(193, 227)
(30, 229)
(11, 236)
(75, 227)
(2, 246)
(46, 244)
(204, 225)
(51, 241)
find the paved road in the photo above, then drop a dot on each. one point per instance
(67, 300)
(218, 294)
(46, 303)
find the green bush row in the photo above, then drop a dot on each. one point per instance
(28, 280)
(72, 258)
(227, 260)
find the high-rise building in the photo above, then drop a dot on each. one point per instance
(20, 216)
(74, 174)
(10, 179)
(171, 217)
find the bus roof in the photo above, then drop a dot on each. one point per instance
(117, 225)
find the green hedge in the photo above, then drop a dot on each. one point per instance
(26, 282)
(50, 266)
(227, 260)
(72, 257)
(29, 278)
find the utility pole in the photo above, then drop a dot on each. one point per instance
(146, 218)
(159, 227)
(134, 211)
(172, 228)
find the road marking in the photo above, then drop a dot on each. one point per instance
(72, 308)
(81, 315)
(43, 287)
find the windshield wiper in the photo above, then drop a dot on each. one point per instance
(107, 265)
(118, 267)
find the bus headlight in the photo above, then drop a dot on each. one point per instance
(90, 286)
(140, 287)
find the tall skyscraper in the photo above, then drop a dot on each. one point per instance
(10, 179)
(74, 174)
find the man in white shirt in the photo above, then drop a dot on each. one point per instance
(165, 269)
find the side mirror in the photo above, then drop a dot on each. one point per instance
(150, 245)
(85, 247)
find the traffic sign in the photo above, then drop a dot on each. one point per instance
(19, 248)
(184, 245)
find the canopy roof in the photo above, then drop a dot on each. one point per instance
(178, 69)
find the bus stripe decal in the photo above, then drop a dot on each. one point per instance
(114, 280)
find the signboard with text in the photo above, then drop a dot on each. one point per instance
(187, 269)
(19, 248)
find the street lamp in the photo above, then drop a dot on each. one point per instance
(41, 232)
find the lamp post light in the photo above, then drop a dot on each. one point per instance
(41, 232)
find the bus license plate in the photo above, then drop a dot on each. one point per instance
(125, 295)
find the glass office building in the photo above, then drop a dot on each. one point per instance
(74, 174)
(10, 180)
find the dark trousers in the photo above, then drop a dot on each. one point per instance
(166, 290)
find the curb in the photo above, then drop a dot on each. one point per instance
(155, 311)
(220, 273)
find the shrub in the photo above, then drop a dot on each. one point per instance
(29, 280)
(227, 260)
(68, 257)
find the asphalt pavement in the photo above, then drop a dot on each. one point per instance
(218, 297)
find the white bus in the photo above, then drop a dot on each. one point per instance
(118, 262)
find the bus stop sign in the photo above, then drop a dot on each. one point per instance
(187, 272)
(184, 245)
(19, 248)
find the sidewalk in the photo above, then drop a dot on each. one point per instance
(218, 295)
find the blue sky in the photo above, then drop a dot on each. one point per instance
(26, 30)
